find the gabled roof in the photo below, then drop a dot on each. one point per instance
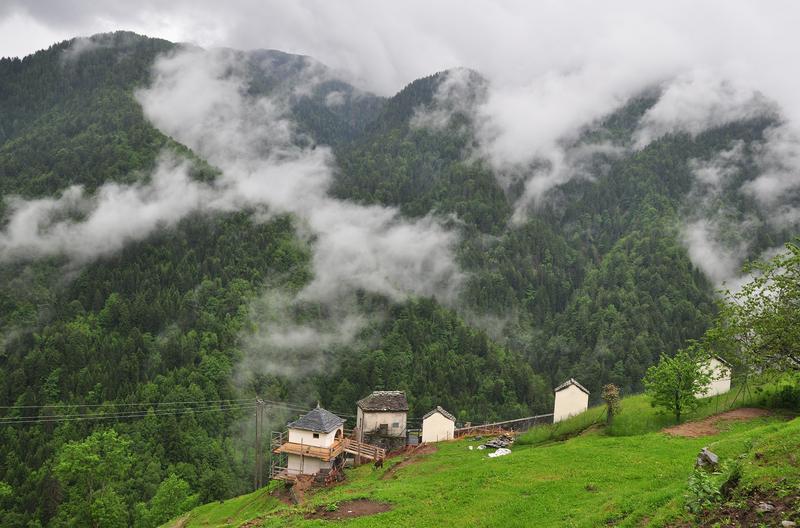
(318, 420)
(569, 382)
(440, 411)
(721, 360)
(384, 401)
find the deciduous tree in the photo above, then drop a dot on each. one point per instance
(675, 382)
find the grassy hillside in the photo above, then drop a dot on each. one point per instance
(594, 478)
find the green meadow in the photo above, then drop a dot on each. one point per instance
(574, 474)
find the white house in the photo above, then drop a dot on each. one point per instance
(438, 425)
(571, 398)
(384, 413)
(315, 440)
(720, 372)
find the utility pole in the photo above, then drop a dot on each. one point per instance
(258, 473)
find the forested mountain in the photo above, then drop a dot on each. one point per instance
(594, 283)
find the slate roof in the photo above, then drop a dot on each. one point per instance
(442, 411)
(318, 420)
(569, 382)
(384, 401)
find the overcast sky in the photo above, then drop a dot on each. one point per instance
(387, 45)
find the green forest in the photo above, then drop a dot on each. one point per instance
(595, 284)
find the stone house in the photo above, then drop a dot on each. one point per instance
(381, 419)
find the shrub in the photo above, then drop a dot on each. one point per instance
(703, 491)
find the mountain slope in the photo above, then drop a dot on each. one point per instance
(595, 283)
(162, 320)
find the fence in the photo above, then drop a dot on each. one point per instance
(518, 425)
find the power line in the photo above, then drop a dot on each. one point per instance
(113, 416)
(213, 405)
(141, 404)
(136, 410)
(143, 412)
(131, 413)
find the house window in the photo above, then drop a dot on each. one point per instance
(395, 425)
(316, 435)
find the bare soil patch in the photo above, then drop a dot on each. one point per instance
(349, 510)
(283, 494)
(709, 426)
(411, 456)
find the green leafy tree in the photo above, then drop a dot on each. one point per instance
(173, 497)
(91, 472)
(760, 324)
(675, 382)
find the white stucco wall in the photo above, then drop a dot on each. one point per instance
(437, 427)
(305, 465)
(721, 378)
(370, 421)
(569, 402)
(298, 436)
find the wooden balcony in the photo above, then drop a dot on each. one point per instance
(325, 454)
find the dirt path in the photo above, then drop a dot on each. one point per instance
(414, 455)
(709, 426)
(350, 509)
(180, 522)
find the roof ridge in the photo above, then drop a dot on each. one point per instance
(441, 410)
(384, 401)
(571, 381)
(318, 420)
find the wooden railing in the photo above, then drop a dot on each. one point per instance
(519, 424)
(283, 473)
(327, 454)
(323, 453)
(363, 450)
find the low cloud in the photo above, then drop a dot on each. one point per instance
(84, 227)
(553, 68)
(459, 92)
(698, 101)
(721, 262)
(252, 140)
(81, 45)
(777, 187)
(719, 237)
(201, 99)
(523, 132)
(279, 344)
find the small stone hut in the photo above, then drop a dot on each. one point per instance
(438, 425)
(571, 398)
